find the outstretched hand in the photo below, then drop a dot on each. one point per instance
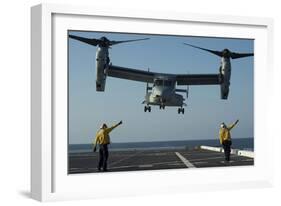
(237, 121)
(120, 122)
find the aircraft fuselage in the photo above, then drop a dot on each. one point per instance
(163, 93)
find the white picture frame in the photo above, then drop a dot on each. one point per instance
(49, 178)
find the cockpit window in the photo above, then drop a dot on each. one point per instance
(158, 82)
(167, 83)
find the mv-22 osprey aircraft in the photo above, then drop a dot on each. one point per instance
(163, 91)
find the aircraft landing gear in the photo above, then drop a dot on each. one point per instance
(147, 108)
(162, 106)
(181, 110)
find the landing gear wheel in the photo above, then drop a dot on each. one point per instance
(147, 108)
(180, 110)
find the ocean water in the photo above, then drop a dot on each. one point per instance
(243, 144)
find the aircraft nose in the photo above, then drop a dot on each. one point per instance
(161, 94)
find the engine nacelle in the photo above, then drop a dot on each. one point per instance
(102, 64)
(224, 90)
(225, 82)
(225, 72)
(101, 78)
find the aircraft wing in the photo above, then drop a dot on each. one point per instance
(130, 74)
(146, 76)
(198, 79)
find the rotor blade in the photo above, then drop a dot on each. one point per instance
(218, 53)
(93, 42)
(240, 55)
(119, 42)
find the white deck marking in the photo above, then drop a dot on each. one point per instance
(185, 161)
(197, 163)
(144, 166)
(231, 161)
(123, 159)
(247, 160)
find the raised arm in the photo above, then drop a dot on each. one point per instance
(113, 127)
(233, 125)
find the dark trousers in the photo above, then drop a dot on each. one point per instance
(227, 149)
(103, 156)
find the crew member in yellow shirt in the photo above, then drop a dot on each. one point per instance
(103, 140)
(225, 138)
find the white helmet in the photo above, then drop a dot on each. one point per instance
(103, 124)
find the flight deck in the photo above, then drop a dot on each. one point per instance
(136, 160)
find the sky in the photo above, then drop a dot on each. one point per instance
(122, 99)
